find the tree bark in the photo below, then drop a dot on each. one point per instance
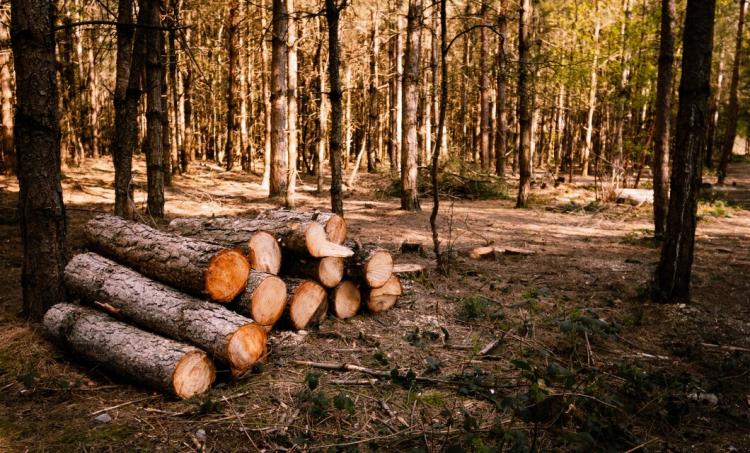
(524, 101)
(370, 264)
(157, 362)
(37, 143)
(409, 142)
(187, 146)
(266, 88)
(663, 114)
(396, 93)
(333, 12)
(154, 151)
(327, 271)
(198, 267)
(279, 133)
(232, 69)
(586, 152)
(672, 279)
(733, 108)
(372, 96)
(7, 150)
(289, 202)
(501, 130)
(714, 114)
(223, 333)
(485, 93)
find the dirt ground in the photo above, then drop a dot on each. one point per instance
(583, 361)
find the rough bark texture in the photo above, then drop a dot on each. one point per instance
(333, 12)
(502, 122)
(663, 113)
(279, 136)
(37, 142)
(485, 94)
(385, 297)
(524, 105)
(308, 303)
(232, 70)
(409, 144)
(733, 107)
(334, 224)
(226, 335)
(264, 298)
(7, 150)
(345, 300)
(370, 264)
(157, 362)
(195, 266)
(586, 152)
(672, 279)
(291, 97)
(154, 120)
(395, 106)
(327, 271)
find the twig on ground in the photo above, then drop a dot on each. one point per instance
(127, 403)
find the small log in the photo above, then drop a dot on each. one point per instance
(264, 253)
(327, 271)
(345, 300)
(370, 264)
(264, 299)
(334, 225)
(155, 361)
(308, 303)
(223, 333)
(306, 237)
(385, 297)
(492, 252)
(194, 266)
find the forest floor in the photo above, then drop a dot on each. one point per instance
(584, 360)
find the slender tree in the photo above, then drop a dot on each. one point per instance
(409, 142)
(733, 107)
(501, 129)
(333, 13)
(154, 114)
(485, 93)
(232, 70)
(279, 134)
(586, 152)
(292, 106)
(524, 104)
(663, 111)
(372, 96)
(37, 141)
(672, 278)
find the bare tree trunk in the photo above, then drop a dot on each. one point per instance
(166, 135)
(663, 113)
(7, 150)
(592, 94)
(177, 140)
(733, 108)
(232, 69)
(37, 140)
(154, 152)
(292, 106)
(524, 107)
(396, 101)
(501, 130)
(322, 112)
(442, 264)
(409, 145)
(713, 121)
(484, 94)
(279, 133)
(187, 147)
(618, 166)
(372, 118)
(333, 12)
(93, 94)
(672, 278)
(266, 99)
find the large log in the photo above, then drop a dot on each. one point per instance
(327, 271)
(334, 225)
(385, 297)
(225, 334)
(264, 299)
(304, 237)
(144, 357)
(308, 303)
(370, 264)
(345, 300)
(194, 266)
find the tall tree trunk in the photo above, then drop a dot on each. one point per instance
(372, 96)
(663, 113)
(93, 94)
(672, 279)
(409, 145)
(322, 112)
(266, 87)
(485, 95)
(441, 263)
(501, 130)
(713, 121)
(279, 134)
(37, 141)
(7, 150)
(618, 167)
(292, 106)
(333, 12)
(592, 94)
(396, 101)
(166, 135)
(154, 114)
(524, 104)
(232, 68)
(187, 146)
(177, 139)
(733, 108)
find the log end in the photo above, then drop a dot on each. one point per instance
(193, 375)
(308, 305)
(346, 300)
(268, 301)
(226, 275)
(336, 229)
(385, 297)
(331, 271)
(264, 253)
(378, 269)
(319, 246)
(247, 346)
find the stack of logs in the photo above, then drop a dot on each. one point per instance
(170, 303)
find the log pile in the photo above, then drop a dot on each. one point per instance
(173, 305)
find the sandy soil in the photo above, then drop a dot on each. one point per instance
(584, 361)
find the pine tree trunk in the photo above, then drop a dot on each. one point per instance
(37, 142)
(663, 114)
(154, 152)
(409, 142)
(370, 264)
(266, 88)
(188, 146)
(232, 68)
(157, 362)
(333, 12)
(159, 308)
(672, 279)
(485, 93)
(524, 104)
(586, 152)
(501, 130)
(279, 133)
(289, 202)
(713, 121)
(396, 100)
(7, 150)
(264, 299)
(372, 96)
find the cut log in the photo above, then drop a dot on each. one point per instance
(385, 297)
(223, 333)
(264, 299)
(308, 303)
(194, 266)
(264, 253)
(370, 264)
(491, 252)
(408, 269)
(327, 271)
(345, 300)
(300, 237)
(155, 361)
(334, 225)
